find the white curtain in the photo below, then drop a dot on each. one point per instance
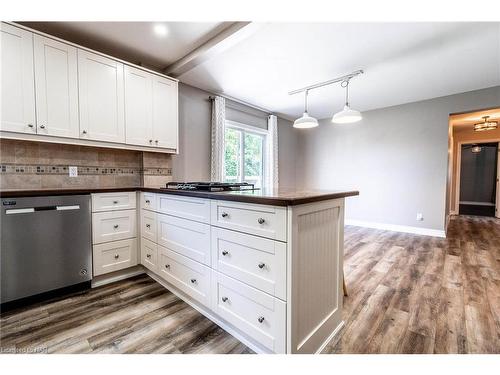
(218, 126)
(272, 173)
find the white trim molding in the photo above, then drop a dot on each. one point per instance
(397, 228)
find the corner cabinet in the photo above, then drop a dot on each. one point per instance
(56, 91)
(18, 88)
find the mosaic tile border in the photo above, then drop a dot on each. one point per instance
(84, 170)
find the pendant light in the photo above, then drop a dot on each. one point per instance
(485, 125)
(347, 115)
(306, 121)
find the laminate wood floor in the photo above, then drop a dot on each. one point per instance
(407, 294)
(418, 294)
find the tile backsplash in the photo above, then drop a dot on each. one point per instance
(35, 165)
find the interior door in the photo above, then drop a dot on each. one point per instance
(138, 107)
(17, 80)
(165, 112)
(101, 98)
(497, 204)
(56, 77)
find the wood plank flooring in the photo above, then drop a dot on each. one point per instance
(417, 294)
(407, 294)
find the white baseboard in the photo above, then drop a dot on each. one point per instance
(397, 228)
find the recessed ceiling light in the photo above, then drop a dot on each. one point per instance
(160, 29)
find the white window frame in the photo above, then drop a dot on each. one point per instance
(244, 128)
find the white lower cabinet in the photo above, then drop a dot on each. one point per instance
(114, 256)
(149, 254)
(257, 314)
(190, 277)
(114, 225)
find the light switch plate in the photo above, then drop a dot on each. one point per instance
(73, 171)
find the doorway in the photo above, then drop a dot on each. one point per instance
(478, 183)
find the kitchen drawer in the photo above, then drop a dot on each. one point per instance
(186, 237)
(149, 255)
(256, 261)
(191, 277)
(197, 209)
(113, 226)
(114, 256)
(148, 201)
(113, 201)
(149, 225)
(256, 313)
(261, 220)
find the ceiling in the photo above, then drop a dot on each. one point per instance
(464, 121)
(135, 41)
(403, 62)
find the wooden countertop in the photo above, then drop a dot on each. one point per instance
(281, 197)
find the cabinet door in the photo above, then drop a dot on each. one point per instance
(138, 107)
(101, 98)
(17, 80)
(56, 78)
(165, 112)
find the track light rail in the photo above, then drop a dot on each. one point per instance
(346, 77)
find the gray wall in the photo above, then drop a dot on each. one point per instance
(478, 174)
(396, 157)
(193, 161)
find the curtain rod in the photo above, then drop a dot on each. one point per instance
(212, 97)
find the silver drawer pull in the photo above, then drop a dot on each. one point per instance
(117, 256)
(148, 201)
(116, 226)
(224, 214)
(115, 202)
(30, 125)
(225, 299)
(261, 319)
(148, 225)
(193, 281)
(84, 132)
(167, 266)
(225, 252)
(42, 126)
(262, 265)
(261, 220)
(148, 256)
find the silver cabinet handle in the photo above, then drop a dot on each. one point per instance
(224, 214)
(225, 252)
(116, 226)
(261, 220)
(115, 202)
(148, 201)
(84, 132)
(261, 319)
(150, 141)
(156, 141)
(224, 299)
(42, 126)
(148, 225)
(148, 256)
(262, 265)
(193, 281)
(30, 126)
(117, 256)
(167, 265)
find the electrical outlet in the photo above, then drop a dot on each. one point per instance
(73, 171)
(420, 217)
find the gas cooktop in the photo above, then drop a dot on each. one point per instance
(210, 186)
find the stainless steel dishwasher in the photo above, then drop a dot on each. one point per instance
(45, 244)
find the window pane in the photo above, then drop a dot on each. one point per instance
(232, 155)
(253, 159)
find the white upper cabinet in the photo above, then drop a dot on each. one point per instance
(150, 109)
(101, 98)
(165, 112)
(56, 83)
(138, 107)
(17, 80)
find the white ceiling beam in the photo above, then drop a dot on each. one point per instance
(230, 36)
